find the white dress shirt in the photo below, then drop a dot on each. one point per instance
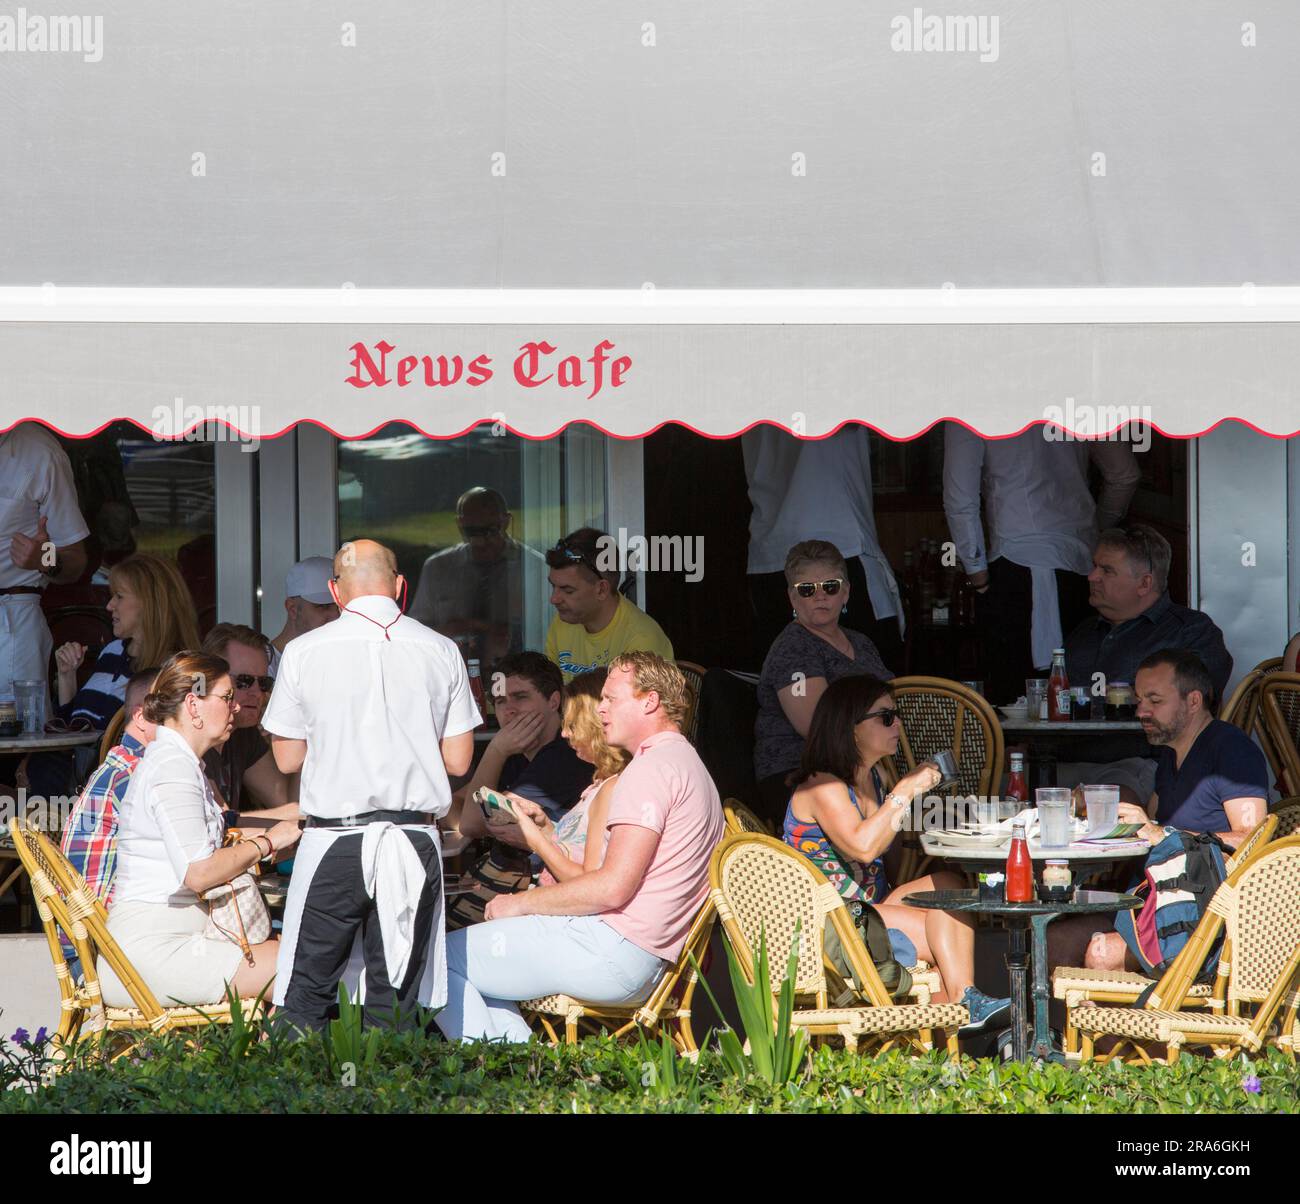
(35, 482)
(1039, 510)
(816, 489)
(169, 818)
(374, 707)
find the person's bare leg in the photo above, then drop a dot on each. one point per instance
(1109, 951)
(944, 939)
(250, 980)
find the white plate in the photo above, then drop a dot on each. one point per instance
(970, 840)
(1015, 714)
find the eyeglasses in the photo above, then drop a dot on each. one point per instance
(244, 681)
(806, 589)
(228, 697)
(62, 726)
(574, 556)
(480, 532)
(886, 715)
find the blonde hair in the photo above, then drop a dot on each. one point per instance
(813, 551)
(581, 697)
(652, 674)
(167, 619)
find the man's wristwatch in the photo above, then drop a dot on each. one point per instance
(50, 570)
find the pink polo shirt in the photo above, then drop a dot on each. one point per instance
(667, 789)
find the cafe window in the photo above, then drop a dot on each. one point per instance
(481, 579)
(138, 494)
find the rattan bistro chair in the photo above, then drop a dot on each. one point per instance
(668, 1008)
(1259, 968)
(694, 675)
(741, 819)
(1279, 723)
(936, 714)
(1288, 817)
(760, 885)
(65, 903)
(1076, 985)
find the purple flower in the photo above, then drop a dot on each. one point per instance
(21, 1036)
(1250, 1085)
(42, 1035)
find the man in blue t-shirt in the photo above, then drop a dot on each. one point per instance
(1210, 776)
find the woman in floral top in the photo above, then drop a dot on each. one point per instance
(576, 844)
(841, 819)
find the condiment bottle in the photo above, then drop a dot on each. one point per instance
(1016, 785)
(1020, 870)
(1059, 699)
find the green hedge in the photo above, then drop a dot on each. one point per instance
(225, 1072)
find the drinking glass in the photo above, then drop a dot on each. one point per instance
(1053, 816)
(1036, 697)
(1102, 803)
(29, 698)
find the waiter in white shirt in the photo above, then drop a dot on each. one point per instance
(376, 711)
(41, 541)
(818, 489)
(1031, 581)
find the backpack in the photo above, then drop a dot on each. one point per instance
(1181, 875)
(897, 979)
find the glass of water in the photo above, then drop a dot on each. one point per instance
(1102, 803)
(1053, 816)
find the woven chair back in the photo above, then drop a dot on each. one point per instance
(1263, 919)
(741, 819)
(770, 892)
(936, 714)
(1241, 708)
(1279, 716)
(1287, 813)
(694, 675)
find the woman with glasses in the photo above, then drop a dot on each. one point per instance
(242, 768)
(812, 652)
(170, 849)
(843, 821)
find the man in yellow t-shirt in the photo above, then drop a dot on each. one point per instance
(593, 622)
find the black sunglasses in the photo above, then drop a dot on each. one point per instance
(480, 532)
(806, 589)
(886, 715)
(244, 681)
(574, 556)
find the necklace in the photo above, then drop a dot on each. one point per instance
(401, 606)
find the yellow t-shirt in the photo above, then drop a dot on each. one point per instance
(576, 650)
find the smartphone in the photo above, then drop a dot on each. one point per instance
(494, 805)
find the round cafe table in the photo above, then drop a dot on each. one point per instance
(47, 742)
(1086, 860)
(1021, 919)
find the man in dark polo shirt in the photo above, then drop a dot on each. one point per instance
(1130, 572)
(1210, 776)
(528, 757)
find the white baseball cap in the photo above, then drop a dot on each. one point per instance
(310, 580)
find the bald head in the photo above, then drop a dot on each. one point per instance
(363, 567)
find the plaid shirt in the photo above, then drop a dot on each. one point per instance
(90, 837)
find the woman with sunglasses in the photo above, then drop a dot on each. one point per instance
(842, 820)
(169, 849)
(243, 768)
(812, 652)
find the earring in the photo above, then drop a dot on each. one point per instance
(794, 614)
(844, 610)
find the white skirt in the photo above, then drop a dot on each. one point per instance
(166, 947)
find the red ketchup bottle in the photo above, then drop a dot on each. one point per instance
(1020, 870)
(1016, 787)
(1059, 702)
(476, 685)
